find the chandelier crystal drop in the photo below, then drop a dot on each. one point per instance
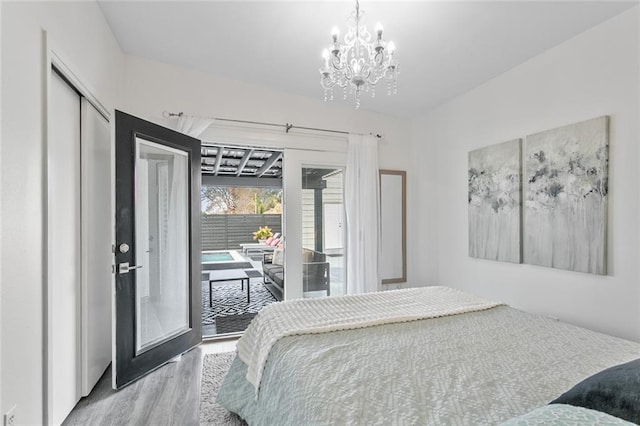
(360, 62)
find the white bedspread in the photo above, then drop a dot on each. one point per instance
(311, 316)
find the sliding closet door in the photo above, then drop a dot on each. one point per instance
(97, 240)
(79, 247)
(64, 253)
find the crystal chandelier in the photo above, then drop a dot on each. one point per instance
(359, 63)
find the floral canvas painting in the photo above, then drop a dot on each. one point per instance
(495, 202)
(566, 186)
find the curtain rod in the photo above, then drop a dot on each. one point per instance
(286, 126)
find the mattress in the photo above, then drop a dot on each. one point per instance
(473, 368)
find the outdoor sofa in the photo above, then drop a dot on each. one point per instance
(315, 271)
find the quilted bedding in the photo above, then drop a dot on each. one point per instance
(468, 369)
(311, 316)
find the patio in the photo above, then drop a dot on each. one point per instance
(223, 170)
(231, 312)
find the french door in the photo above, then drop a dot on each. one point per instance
(158, 291)
(312, 182)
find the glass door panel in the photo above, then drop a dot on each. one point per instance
(323, 251)
(162, 243)
(314, 261)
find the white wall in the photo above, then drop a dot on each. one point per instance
(593, 74)
(1, 411)
(86, 44)
(152, 87)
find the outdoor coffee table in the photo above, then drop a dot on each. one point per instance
(228, 275)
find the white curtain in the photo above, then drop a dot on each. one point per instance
(173, 200)
(363, 212)
(193, 126)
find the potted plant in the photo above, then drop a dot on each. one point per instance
(262, 234)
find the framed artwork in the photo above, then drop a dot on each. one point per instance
(565, 189)
(495, 202)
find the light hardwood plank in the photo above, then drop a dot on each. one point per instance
(168, 396)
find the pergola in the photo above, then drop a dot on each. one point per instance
(261, 167)
(238, 166)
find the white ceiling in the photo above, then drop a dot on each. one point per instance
(444, 48)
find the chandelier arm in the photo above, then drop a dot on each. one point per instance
(373, 78)
(390, 75)
(378, 57)
(339, 66)
(327, 82)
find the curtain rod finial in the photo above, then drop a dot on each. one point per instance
(167, 114)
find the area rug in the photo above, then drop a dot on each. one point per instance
(226, 265)
(230, 299)
(253, 273)
(214, 369)
(234, 323)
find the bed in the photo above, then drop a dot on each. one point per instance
(456, 365)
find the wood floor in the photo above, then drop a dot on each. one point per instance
(168, 396)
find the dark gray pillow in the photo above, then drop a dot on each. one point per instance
(614, 391)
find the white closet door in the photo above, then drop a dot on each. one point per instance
(64, 248)
(97, 237)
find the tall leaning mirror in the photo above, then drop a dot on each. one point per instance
(393, 207)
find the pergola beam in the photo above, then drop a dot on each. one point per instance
(245, 159)
(244, 181)
(275, 156)
(216, 166)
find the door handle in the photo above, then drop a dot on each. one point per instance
(123, 268)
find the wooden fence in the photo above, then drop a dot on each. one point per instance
(228, 231)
